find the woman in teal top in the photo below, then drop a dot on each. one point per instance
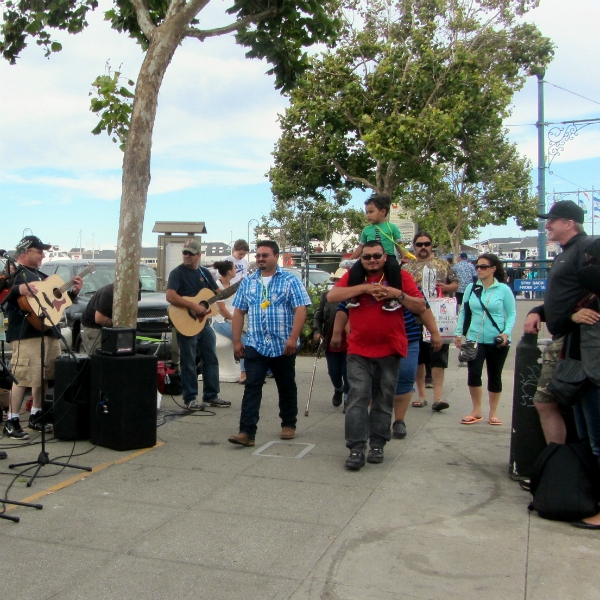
(491, 332)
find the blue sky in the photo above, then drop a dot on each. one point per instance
(215, 131)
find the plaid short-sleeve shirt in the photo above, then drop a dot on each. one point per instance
(270, 327)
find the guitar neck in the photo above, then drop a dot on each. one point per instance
(67, 286)
(223, 295)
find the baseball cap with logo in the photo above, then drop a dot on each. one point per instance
(32, 241)
(192, 246)
(565, 209)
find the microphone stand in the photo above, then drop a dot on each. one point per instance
(44, 458)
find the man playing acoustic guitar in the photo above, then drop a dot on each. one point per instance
(25, 339)
(187, 280)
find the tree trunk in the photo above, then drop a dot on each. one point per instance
(136, 170)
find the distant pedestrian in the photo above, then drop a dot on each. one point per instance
(466, 273)
(238, 258)
(335, 355)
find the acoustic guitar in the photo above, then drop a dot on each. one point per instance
(51, 298)
(187, 322)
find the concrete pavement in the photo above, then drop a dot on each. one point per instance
(197, 517)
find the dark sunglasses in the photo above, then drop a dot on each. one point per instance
(376, 256)
(421, 244)
(187, 253)
(484, 267)
(265, 255)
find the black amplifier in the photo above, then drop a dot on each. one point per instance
(117, 341)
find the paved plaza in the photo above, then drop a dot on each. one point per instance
(196, 517)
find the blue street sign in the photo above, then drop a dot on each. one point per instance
(530, 285)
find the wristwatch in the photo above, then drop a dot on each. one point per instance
(401, 298)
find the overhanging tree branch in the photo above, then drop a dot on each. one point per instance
(206, 33)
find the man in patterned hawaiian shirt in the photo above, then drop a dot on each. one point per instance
(433, 275)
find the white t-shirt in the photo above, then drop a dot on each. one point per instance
(228, 303)
(241, 267)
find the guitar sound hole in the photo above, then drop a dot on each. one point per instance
(57, 293)
(205, 305)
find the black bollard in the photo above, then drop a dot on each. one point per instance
(527, 438)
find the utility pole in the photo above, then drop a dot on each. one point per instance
(541, 168)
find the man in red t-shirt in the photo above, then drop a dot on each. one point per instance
(376, 343)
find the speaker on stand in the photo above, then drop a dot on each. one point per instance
(123, 401)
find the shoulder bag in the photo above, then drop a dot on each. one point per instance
(569, 380)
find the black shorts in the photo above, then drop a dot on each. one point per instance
(434, 359)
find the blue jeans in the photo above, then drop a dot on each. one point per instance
(587, 419)
(336, 367)
(284, 372)
(199, 348)
(371, 380)
(225, 329)
(408, 369)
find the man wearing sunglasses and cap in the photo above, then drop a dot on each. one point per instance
(564, 225)
(25, 339)
(187, 280)
(434, 276)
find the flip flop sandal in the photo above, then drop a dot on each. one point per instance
(495, 421)
(439, 405)
(420, 403)
(470, 420)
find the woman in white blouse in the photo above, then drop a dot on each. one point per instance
(222, 321)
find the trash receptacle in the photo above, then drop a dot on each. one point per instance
(527, 438)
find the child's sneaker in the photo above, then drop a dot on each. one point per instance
(352, 303)
(391, 305)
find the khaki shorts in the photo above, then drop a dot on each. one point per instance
(26, 360)
(550, 359)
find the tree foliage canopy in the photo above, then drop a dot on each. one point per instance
(274, 30)
(408, 99)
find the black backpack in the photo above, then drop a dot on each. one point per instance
(566, 483)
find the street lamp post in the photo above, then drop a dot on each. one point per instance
(250, 221)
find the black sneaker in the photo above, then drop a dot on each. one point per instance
(218, 402)
(338, 396)
(355, 461)
(399, 430)
(352, 303)
(13, 429)
(375, 455)
(35, 423)
(391, 305)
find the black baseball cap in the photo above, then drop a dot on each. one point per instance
(565, 209)
(463, 255)
(32, 241)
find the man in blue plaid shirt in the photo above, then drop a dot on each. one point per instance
(275, 302)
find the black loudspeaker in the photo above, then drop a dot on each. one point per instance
(123, 404)
(117, 341)
(71, 408)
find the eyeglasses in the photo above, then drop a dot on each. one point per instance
(421, 244)
(483, 267)
(264, 255)
(187, 253)
(376, 256)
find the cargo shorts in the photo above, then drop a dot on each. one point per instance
(26, 360)
(550, 359)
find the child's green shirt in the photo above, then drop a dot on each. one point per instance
(386, 233)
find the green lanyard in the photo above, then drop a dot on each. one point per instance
(265, 295)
